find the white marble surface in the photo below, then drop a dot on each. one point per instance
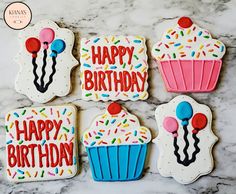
(147, 18)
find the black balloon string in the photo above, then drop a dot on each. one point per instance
(43, 87)
(35, 66)
(186, 161)
(52, 74)
(185, 150)
(197, 149)
(44, 66)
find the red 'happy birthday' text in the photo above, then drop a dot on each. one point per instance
(42, 155)
(113, 80)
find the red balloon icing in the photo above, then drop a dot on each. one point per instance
(33, 46)
(114, 108)
(185, 22)
(199, 122)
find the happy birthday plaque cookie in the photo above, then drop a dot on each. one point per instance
(41, 143)
(185, 139)
(114, 67)
(45, 60)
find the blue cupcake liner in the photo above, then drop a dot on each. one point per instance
(117, 163)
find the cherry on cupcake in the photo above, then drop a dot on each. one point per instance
(185, 22)
(114, 108)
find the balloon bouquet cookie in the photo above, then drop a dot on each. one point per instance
(45, 61)
(185, 139)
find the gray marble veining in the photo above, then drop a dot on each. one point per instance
(148, 18)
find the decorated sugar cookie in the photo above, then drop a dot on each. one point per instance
(116, 145)
(185, 139)
(41, 143)
(114, 67)
(189, 58)
(45, 61)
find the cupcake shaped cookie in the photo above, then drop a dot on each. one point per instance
(189, 58)
(116, 145)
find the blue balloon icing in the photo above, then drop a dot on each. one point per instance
(184, 112)
(57, 46)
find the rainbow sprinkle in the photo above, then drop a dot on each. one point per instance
(188, 43)
(138, 64)
(67, 132)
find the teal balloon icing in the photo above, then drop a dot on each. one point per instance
(184, 112)
(57, 46)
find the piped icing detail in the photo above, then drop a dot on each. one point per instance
(187, 41)
(113, 68)
(45, 60)
(116, 127)
(185, 139)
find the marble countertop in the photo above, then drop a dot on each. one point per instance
(148, 18)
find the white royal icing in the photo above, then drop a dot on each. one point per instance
(61, 85)
(167, 163)
(188, 43)
(58, 124)
(120, 129)
(136, 72)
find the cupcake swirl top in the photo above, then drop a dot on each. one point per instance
(116, 127)
(187, 41)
